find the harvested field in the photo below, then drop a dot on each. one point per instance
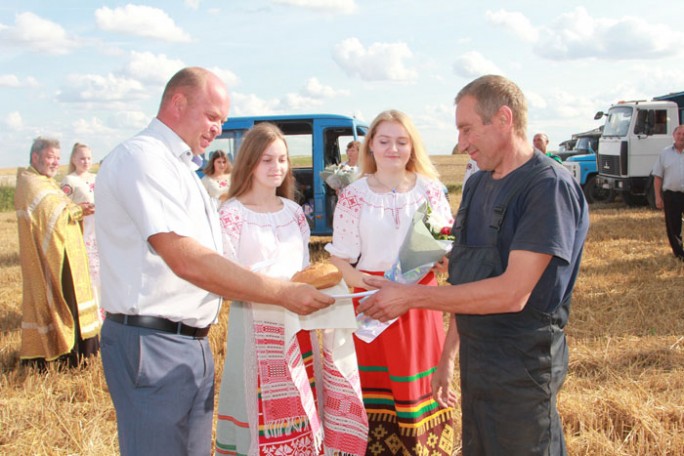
(624, 394)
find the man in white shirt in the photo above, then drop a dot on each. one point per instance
(668, 184)
(163, 275)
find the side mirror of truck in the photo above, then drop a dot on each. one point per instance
(598, 115)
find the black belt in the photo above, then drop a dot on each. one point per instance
(160, 324)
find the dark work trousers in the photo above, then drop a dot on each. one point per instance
(83, 348)
(512, 365)
(673, 203)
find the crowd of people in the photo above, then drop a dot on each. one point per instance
(142, 279)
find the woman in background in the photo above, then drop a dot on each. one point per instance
(216, 177)
(372, 218)
(353, 154)
(79, 185)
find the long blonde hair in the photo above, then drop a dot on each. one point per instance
(76, 148)
(255, 142)
(419, 161)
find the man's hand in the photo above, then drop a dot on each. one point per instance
(442, 386)
(442, 390)
(391, 301)
(88, 208)
(442, 266)
(659, 202)
(304, 299)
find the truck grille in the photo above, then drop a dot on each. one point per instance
(609, 165)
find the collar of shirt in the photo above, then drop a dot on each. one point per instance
(176, 145)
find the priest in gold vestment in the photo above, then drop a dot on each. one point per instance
(60, 316)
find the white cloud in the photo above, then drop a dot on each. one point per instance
(13, 121)
(9, 80)
(136, 120)
(37, 34)
(250, 104)
(296, 102)
(517, 22)
(140, 20)
(13, 81)
(656, 80)
(438, 116)
(326, 6)
(534, 100)
(227, 76)
(148, 67)
(577, 35)
(378, 62)
(315, 89)
(473, 64)
(310, 96)
(192, 4)
(90, 127)
(94, 88)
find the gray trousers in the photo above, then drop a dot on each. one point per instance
(162, 386)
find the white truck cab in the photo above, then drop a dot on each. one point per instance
(633, 136)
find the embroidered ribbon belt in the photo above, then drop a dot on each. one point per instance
(160, 324)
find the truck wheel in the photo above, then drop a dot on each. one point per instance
(633, 200)
(595, 194)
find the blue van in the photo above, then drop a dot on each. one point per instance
(321, 137)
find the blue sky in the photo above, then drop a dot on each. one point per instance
(93, 72)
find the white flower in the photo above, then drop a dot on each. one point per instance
(338, 176)
(436, 221)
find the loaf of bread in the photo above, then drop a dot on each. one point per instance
(320, 275)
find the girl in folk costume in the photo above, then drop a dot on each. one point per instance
(279, 395)
(371, 220)
(79, 185)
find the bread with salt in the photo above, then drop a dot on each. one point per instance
(320, 275)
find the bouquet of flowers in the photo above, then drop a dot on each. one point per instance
(438, 226)
(426, 242)
(338, 176)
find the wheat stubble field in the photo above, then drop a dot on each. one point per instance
(624, 394)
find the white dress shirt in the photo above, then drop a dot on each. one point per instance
(148, 185)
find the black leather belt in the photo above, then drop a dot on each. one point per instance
(160, 324)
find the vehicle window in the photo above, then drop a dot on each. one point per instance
(617, 123)
(300, 148)
(584, 144)
(660, 125)
(227, 142)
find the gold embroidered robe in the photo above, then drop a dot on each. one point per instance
(49, 234)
